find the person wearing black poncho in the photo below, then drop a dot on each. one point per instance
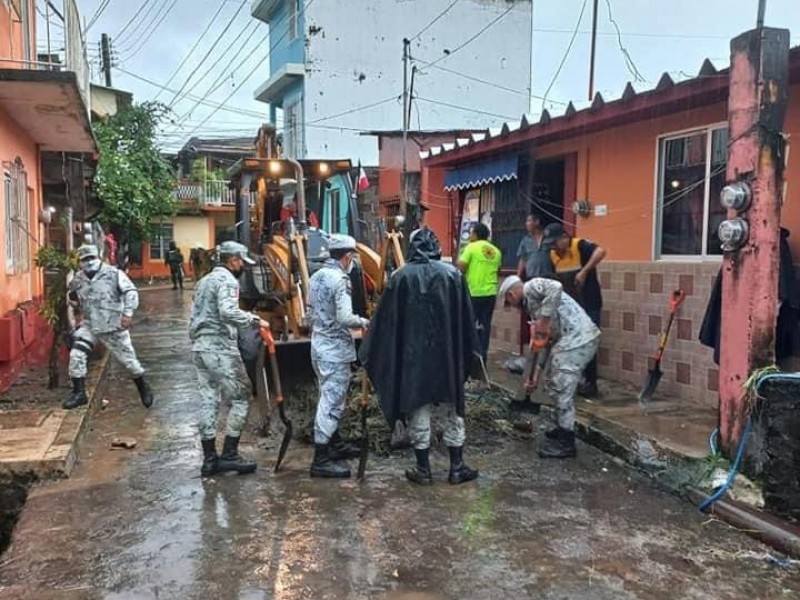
(419, 349)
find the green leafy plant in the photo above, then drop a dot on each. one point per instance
(133, 181)
(57, 265)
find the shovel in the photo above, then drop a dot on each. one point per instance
(364, 401)
(654, 374)
(269, 342)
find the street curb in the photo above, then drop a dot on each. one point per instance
(667, 467)
(71, 460)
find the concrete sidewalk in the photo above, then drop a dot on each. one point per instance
(43, 442)
(666, 432)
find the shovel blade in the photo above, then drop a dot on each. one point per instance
(650, 385)
(287, 437)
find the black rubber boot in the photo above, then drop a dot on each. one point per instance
(210, 458)
(421, 473)
(145, 394)
(78, 395)
(588, 390)
(341, 450)
(459, 472)
(552, 433)
(231, 461)
(562, 445)
(325, 466)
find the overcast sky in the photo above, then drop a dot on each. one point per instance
(673, 36)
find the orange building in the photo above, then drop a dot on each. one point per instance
(41, 112)
(640, 176)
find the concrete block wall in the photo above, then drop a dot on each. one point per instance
(635, 311)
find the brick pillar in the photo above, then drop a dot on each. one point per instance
(759, 86)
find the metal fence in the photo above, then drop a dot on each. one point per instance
(207, 193)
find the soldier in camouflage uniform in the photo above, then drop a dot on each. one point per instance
(575, 341)
(213, 327)
(107, 299)
(332, 351)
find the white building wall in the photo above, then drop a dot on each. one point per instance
(354, 59)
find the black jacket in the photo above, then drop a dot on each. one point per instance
(420, 344)
(787, 337)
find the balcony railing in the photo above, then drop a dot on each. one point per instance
(206, 193)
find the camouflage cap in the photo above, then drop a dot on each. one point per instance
(340, 241)
(230, 248)
(87, 251)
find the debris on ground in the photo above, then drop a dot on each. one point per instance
(127, 443)
(488, 419)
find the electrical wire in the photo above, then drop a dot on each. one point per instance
(628, 60)
(566, 54)
(211, 89)
(253, 70)
(192, 49)
(439, 16)
(152, 4)
(207, 54)
(97, 14)
(464, 108)
(450, 53)
(485, 82)
(152, 31)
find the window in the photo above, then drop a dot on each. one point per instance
(17, 204)
(292, 20)
(293, 126)
(691, 176)
(159, 247)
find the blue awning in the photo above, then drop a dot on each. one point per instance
(475, 175)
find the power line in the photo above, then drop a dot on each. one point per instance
(439, 16)
(208, 53)
(628, 60)
(152, 4)
(220, 56)
(464, 108)
(354, 110)
(236, 110)
(193, 48)
(489, 83)
(449, 53)
(566, 54)
(100, 10)
(252, 72)
(153, 30)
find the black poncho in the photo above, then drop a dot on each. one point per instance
(421, 341)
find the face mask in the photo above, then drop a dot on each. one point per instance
(349, 268)
(91, 266)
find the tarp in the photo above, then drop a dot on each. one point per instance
(419, 346)
(475, 175)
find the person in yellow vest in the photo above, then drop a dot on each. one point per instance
(480, 262)
(575, 263)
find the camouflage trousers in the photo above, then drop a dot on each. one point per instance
(334, 383)
(566, 369)
(118, 344)
(221, 378)
(419, 426)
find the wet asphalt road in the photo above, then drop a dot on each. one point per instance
(142, 524)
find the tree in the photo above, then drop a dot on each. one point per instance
(133, 181)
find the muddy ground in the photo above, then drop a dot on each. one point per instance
(30, 390)
(142, 524)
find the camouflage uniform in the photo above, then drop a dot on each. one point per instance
(419, 426)
(332, 345)
(576, 339)
(103, 299)
(213, 327)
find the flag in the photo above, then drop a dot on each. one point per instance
(363, 182)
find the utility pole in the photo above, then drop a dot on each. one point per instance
(594, 46)
(757, 102)
(105, 58)
(405, 207)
